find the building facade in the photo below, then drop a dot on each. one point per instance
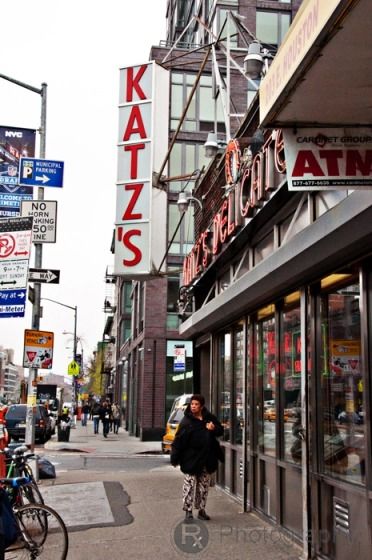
(147, 374)
(11, 376)
(277, 290)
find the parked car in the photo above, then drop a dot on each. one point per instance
(175, 417)
(15, 422)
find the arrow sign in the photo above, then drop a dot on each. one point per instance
(45, 276)
(12, 303)
(43, 179)
(35, 172)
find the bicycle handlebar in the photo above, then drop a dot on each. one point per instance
(15, 482)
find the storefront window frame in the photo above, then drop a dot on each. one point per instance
(340, 281)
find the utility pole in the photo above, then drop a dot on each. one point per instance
(32, 377)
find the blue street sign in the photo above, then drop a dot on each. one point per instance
(41, 172)
(12, 303)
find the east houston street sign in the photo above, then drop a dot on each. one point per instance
(40, 172)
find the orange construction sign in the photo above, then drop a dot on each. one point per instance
(38, 349)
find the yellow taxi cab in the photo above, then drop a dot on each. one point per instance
(177, 413)
(270, 414)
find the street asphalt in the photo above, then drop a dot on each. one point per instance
(137, 513)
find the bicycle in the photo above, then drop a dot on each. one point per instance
(41, 531)
(17, 466)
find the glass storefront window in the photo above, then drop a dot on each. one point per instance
(178, 382)
(266, 379)
(342, 385)
(239, 384)
(290, 375)
(225, 385)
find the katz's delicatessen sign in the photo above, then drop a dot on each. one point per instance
(141, 208)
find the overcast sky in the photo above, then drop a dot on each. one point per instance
(77, 48)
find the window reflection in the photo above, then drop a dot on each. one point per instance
(225, 384)
(239, 385)
(265, 365)
(342, 386)
(290, 370)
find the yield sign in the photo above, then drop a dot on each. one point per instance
(31, 356)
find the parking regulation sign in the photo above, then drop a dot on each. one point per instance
(179, 358)
(44, 214)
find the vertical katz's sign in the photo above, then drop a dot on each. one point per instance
(141, 209)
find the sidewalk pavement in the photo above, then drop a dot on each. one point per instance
(138, 514)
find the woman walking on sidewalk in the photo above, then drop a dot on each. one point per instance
(197, 451)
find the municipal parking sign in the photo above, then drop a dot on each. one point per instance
(40, 172)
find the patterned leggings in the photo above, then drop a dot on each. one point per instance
(197, 485)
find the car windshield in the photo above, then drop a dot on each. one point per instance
(19, 411)
(177, 415)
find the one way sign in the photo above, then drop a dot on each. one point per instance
(45, 276)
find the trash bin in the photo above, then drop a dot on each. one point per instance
(63, 433)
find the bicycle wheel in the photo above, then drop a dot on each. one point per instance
(44, 534)
(30, 494)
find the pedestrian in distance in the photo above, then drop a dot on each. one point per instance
(85, 414)
(115, 409)
(96, 409)
(105, 416)
(197, 450)
(111, 420)
(64, 425)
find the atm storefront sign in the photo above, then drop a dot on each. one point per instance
(328, 159)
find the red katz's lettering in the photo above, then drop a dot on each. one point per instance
(133, 83)
(133, 148)
(128, 213)
(135, 124)
(137, 255)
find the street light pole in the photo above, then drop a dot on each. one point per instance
(32, 378)
(74, 308)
